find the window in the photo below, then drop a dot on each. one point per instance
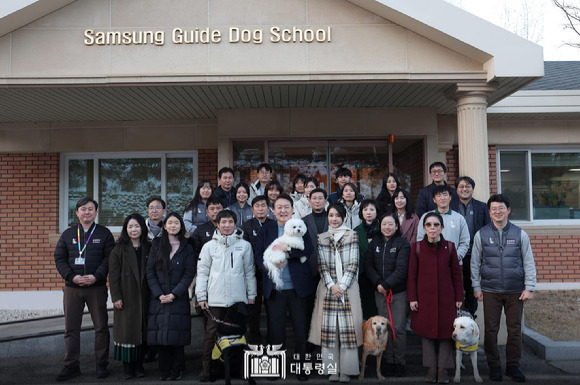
(122, 183)
(542, 185)
(367, 159)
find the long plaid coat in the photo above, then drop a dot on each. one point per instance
(346, 317)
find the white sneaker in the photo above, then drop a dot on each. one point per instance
(344, 378)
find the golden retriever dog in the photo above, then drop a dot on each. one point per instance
(466, 337)
(375, 335)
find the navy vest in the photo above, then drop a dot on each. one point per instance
(502, 267)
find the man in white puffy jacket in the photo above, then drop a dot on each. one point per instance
(225, 275)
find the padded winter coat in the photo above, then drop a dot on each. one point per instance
(170, 324)
(226, 272)
(96, 254)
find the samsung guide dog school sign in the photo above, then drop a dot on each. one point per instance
(209, 35)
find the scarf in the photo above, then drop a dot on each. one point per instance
(371, 230)
(336, 234)
(155, 229)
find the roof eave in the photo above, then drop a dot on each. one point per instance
(465, 33)
(29, 13)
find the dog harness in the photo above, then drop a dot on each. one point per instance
(226, 343)
(366, 344)
(466, 348)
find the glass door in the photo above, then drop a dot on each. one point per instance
(291, 158)
(367, 160)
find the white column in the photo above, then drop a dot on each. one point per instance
(472, 135)
(473, 154)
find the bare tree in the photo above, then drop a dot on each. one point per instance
(525, 19)
(571, 10)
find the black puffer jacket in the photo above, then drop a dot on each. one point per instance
(96, 254)
(170, 324)
(387, 263)
(201, 235)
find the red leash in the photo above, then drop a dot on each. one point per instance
(389, 298)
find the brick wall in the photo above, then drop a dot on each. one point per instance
(207, 164)
(452, 163)
(29, 201)
(29, 197)
(557, 257)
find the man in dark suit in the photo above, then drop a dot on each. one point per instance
(425, 201)
(298, 283)
(476, 215)
(316, 223)
(252, 229)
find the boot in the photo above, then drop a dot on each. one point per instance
(442, 376)
(204, 375)
(128, 370)
(139, 369)
(431, 376)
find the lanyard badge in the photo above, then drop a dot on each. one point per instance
(81, 260)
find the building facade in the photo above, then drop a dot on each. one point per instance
(123, 100)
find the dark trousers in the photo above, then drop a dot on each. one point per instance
(438, 353)
(211, 330)
(470, 300)
(513, 308)
(171, 359)
(254, 313)
(278, 303)
(74, 300)
(395, 350)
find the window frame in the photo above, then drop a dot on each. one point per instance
(529, 151)
(96, 156)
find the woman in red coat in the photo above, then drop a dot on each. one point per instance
(434, 291)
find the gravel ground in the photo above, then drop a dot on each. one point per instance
(555, 314)
(17, 315)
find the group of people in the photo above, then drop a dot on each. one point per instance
(361, 258)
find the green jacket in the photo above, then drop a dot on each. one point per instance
(363, 244)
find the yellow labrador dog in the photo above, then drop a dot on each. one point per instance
(466, 337)
(375, 335)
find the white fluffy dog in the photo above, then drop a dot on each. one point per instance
(294, 229)
(466, 337)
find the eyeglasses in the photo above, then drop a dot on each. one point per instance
(155, 208)
(437, 171)
(263, 172)
(498, 209)
(433, 224)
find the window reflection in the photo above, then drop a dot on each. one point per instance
(124, 187)
(80, 184)
(555, 185)
(514, 182)
(179, 183)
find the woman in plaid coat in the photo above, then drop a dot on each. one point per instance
(337, 318)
